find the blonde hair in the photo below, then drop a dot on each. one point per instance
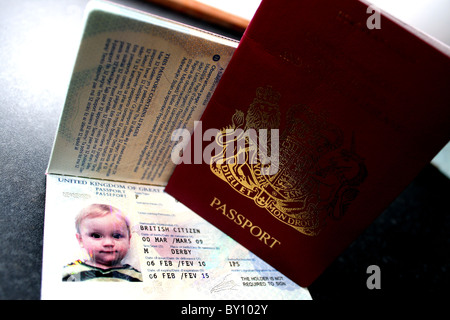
(99, 210)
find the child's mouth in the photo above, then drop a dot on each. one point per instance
(108, 252)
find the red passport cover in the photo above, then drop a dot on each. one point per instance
(360, 112)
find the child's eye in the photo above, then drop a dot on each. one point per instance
(96, 235)
(117, 236)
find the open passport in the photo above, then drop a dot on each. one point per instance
(110, 230)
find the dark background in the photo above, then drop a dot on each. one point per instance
(38, 44)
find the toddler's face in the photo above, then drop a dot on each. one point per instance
(106, 239)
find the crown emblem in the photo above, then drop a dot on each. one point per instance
(267, 95)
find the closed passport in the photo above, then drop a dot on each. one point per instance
(359, 111)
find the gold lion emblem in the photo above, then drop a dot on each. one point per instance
(316, 179)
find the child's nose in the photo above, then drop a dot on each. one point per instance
(108, 242)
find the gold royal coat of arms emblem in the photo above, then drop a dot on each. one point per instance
(315, 176)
